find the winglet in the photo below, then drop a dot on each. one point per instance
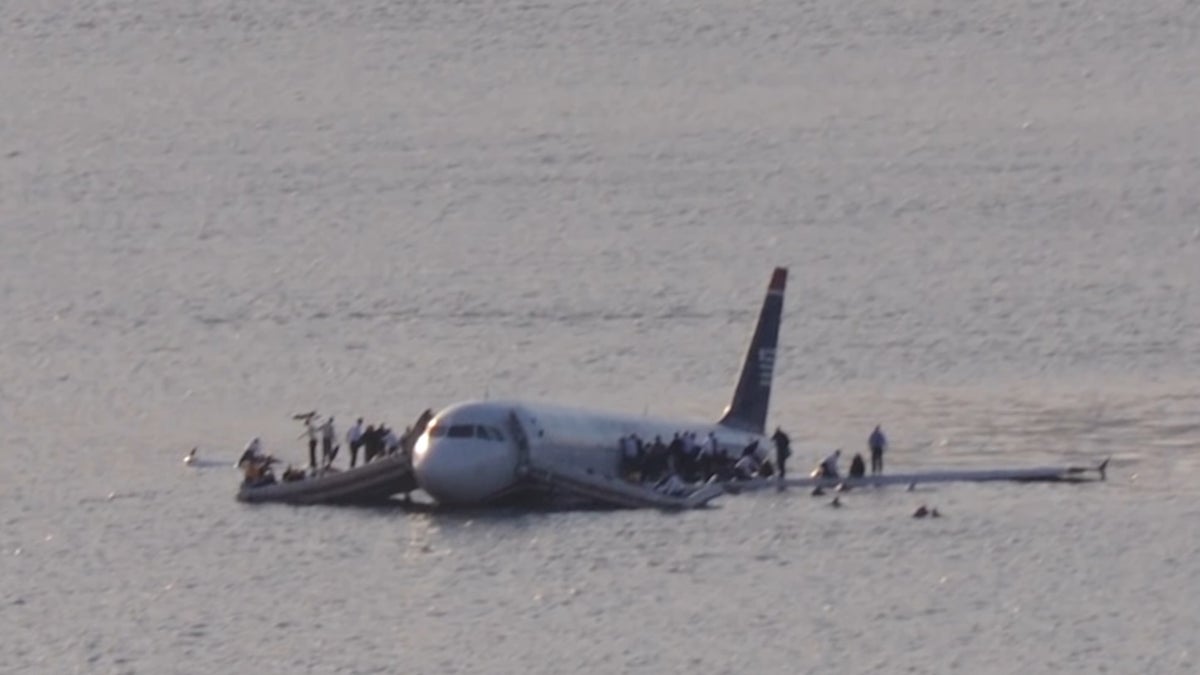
(1103, 469)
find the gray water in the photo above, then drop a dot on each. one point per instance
(216, 214)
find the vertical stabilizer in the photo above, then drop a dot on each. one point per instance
(748, 410)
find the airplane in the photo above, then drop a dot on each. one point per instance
(478, 452)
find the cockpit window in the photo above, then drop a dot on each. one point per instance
(490, 433)
(467, 431)
(461, 431)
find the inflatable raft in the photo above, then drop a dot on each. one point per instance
(366, 484)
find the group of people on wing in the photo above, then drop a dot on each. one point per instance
(691, 458)
(876, 443)
(375, 441)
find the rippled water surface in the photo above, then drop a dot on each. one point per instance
(215, 214)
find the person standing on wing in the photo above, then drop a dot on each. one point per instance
(783, 450)
(878, 443)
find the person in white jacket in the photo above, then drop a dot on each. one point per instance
(829, 465)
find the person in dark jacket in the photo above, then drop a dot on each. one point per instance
(857, 466)
(372, 442)
(877, 443)
(783, 450)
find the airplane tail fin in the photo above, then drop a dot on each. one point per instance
(748, 410)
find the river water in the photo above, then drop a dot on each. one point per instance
(216, 214)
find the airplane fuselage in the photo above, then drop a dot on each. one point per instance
(473, 452)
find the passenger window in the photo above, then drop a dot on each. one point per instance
(461, 431)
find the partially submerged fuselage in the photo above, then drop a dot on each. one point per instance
(474, 452)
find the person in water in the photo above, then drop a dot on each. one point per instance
(783, 450)
(877, 444)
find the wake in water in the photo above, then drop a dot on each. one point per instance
(193, 460)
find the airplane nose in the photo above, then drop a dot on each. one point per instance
(463, 471)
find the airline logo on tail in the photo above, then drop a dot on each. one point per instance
(748, 410)
(766, 366)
